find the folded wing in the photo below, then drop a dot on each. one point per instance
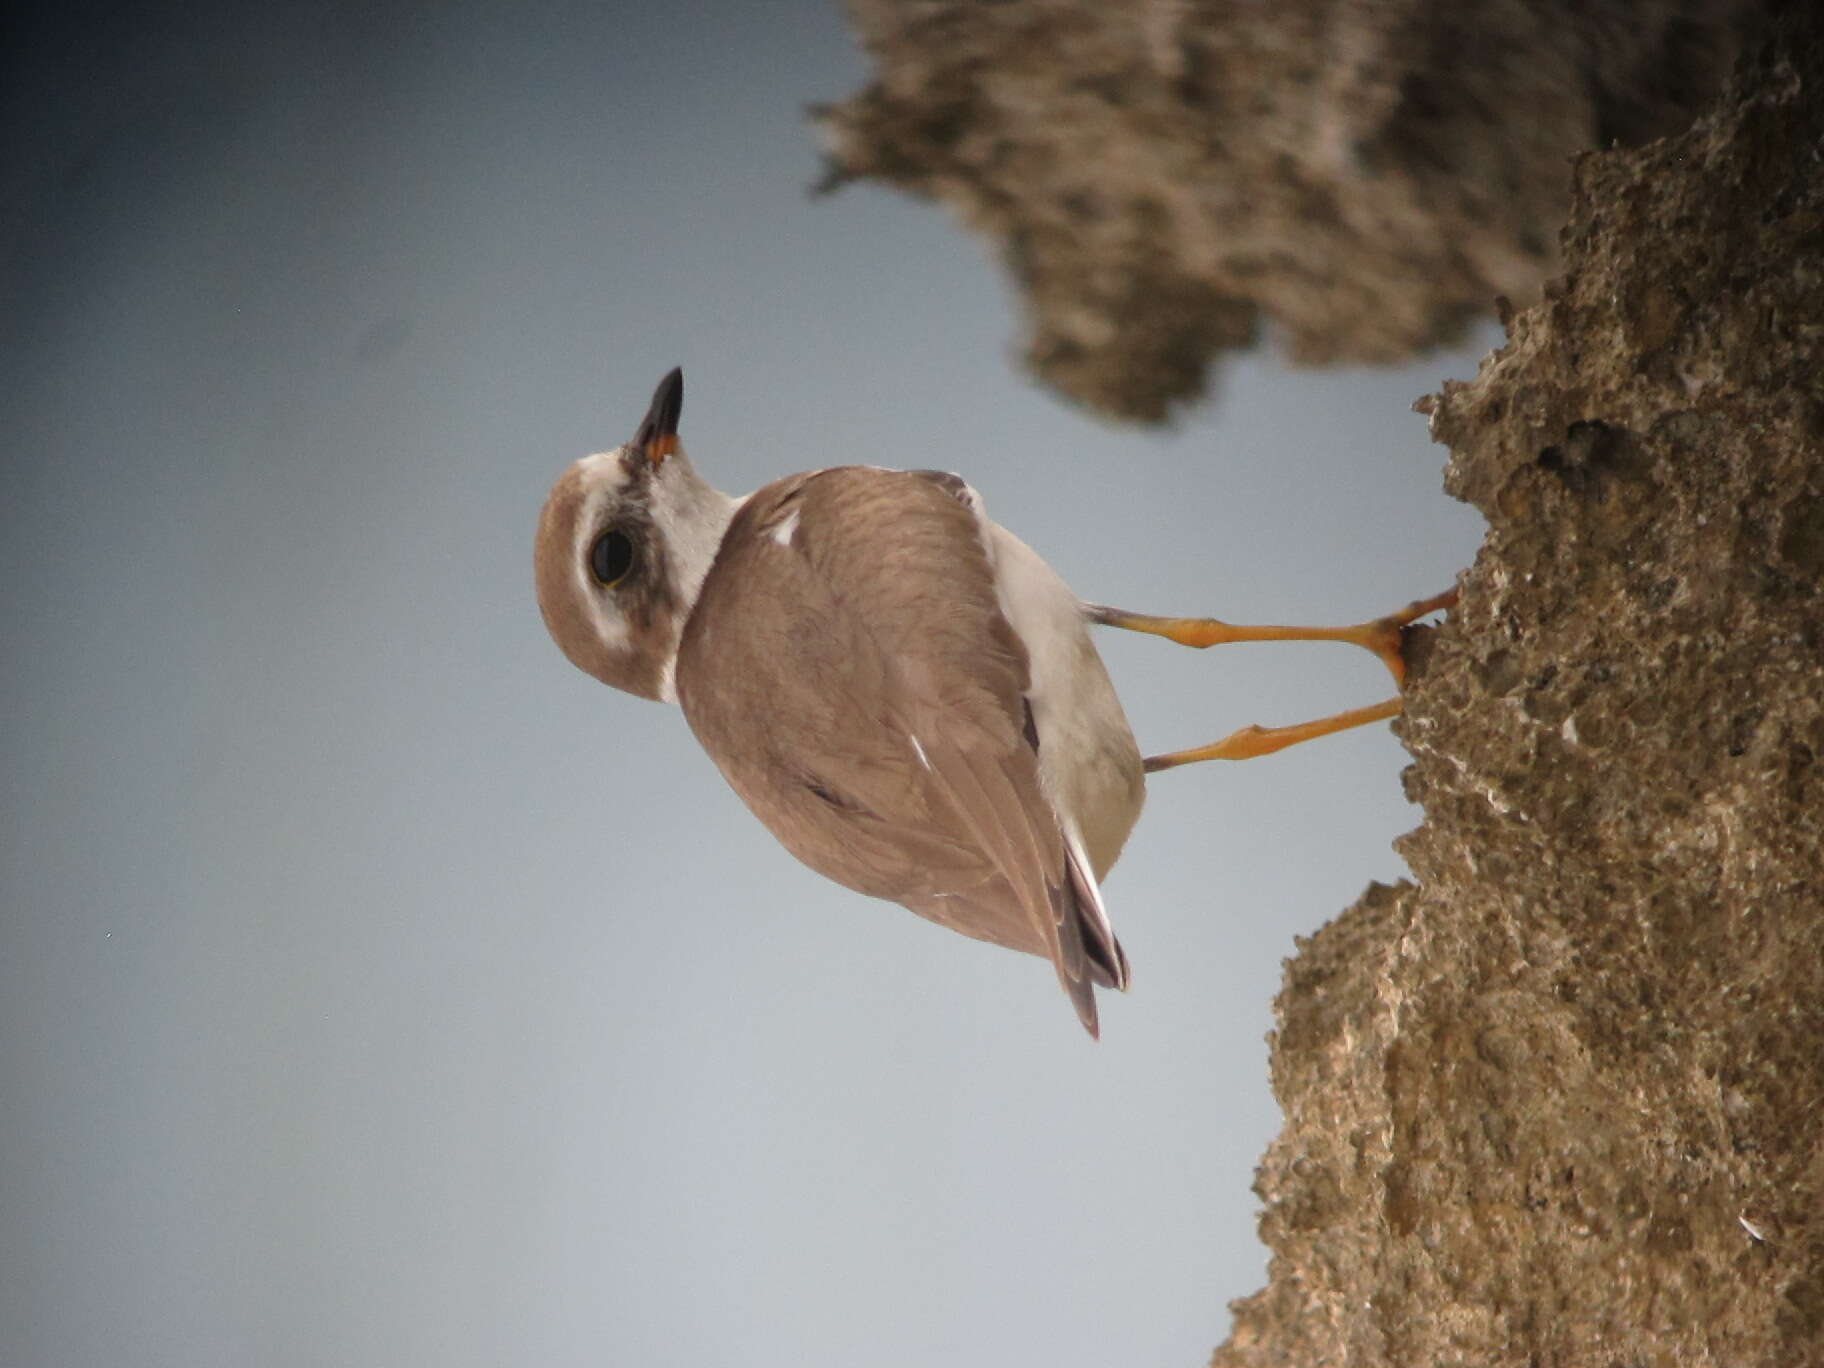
(850, 671)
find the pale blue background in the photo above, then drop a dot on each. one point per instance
(375, 989)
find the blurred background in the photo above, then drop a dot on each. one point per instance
(375, 988)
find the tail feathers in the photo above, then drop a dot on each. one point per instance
(1108, 961)
(1082, 995)
(1085, 938)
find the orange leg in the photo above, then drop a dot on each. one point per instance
(1385, 636)
(1252, 741)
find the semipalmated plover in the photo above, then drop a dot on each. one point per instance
(898, 687)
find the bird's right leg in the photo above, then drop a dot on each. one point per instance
(1385, 636)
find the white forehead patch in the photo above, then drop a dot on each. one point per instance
(604, 471)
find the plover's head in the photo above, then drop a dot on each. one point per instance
(624, 542)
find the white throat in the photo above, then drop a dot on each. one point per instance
(693, 515)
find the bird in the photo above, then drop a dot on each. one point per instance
(900, 689)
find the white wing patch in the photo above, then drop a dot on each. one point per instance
(785, 527)
(919, 750)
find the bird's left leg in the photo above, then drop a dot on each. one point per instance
(1252, 741)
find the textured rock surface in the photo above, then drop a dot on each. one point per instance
(1562, 1102)
(1162, 176)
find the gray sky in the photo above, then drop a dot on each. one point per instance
(377, 989)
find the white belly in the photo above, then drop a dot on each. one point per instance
(1089, 764)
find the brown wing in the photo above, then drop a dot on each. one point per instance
(848, 668)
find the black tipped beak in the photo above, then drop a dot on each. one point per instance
(658, 434)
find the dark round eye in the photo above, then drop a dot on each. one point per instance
(611, 557)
